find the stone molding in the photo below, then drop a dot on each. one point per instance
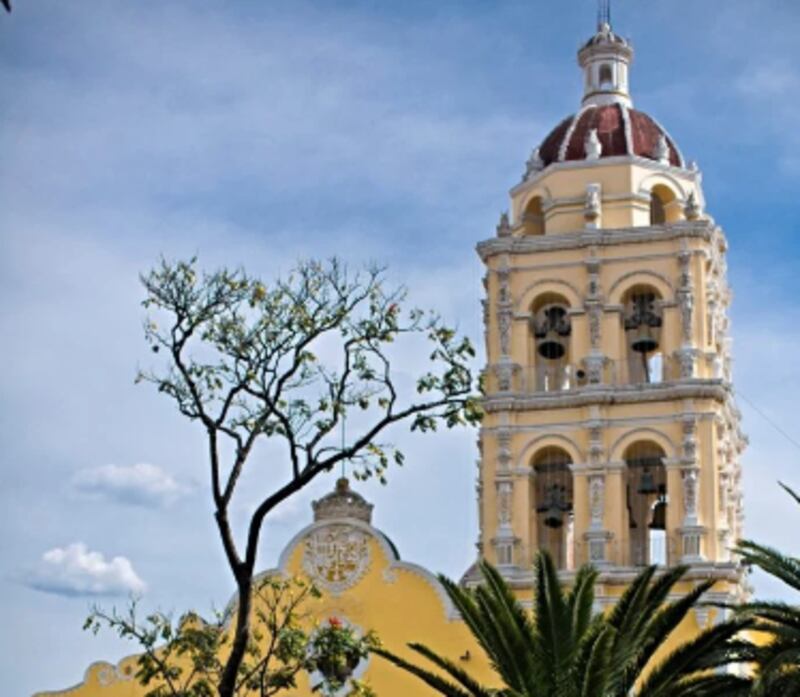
(581, 239)
(531, 183)
(698, 388)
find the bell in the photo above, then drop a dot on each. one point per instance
(659, 521)
(554, 518)
(551, 349)
(553, 506)
(555, 323)
(647, 485)
(644, 342)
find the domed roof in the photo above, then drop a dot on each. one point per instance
(619, 130)
(605, 35)
(342, 502)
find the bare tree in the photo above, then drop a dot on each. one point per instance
(252, 362)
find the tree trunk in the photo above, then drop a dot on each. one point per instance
(227, 686)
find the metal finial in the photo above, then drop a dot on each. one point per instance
(603, 13)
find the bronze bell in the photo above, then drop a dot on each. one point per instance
(659, 521)
(645, 340)
(647, 484)
(554, 326)
(554, 518)
(553, 506)
(551, 349)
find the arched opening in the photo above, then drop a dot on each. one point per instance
(551, 328)
(606, 77)
(533, 217)
(646, 498)
(660, 210)
(553, 505)
(642, 320)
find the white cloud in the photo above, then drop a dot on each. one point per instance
(141, 484)
(74, 570)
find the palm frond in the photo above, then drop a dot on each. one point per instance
(725, 685)
(438, 683)
(783, 567)
(659, 623)
(597, 673)
(580, 601)
(790, 491)
(552, 616)
(691, 657)
(452, 669)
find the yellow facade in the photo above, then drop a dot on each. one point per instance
(610, 436)
(363, 583)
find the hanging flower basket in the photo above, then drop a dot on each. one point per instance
(336, 650)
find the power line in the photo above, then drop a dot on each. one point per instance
(769, 421)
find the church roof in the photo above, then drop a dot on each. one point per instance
(620, 130)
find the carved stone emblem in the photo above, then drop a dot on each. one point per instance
(336, 556)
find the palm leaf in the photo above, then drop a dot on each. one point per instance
(659, 623)
(597, 672)
(725, 685)
(692, 656)
(438, 683)
(790, 491)
(785, 568)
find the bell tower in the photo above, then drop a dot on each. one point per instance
(611, 434)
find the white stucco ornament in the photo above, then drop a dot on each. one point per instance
(336, 556)
(592, 146)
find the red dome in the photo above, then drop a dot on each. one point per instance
(621, 131)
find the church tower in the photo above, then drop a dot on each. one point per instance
(611, 435)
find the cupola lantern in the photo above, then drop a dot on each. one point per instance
(605, 60)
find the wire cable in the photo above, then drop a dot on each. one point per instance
(769, 420)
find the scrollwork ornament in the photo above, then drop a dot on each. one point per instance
(686, 362)
(504, 325)
(686, 303)
(690, 484)
(596, 500)
(503, 292)
(505, 377)
(594, 324)
(504, 511)
(106, 675)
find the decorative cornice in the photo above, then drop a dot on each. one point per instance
(523, 579)
(645, 162)
(716, 389)
(582, 239)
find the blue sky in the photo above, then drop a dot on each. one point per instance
(264, 132)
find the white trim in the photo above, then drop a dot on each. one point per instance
(562, 148)
(626, 124)
(672, 142)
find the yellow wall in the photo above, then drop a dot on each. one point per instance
(400, 601)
